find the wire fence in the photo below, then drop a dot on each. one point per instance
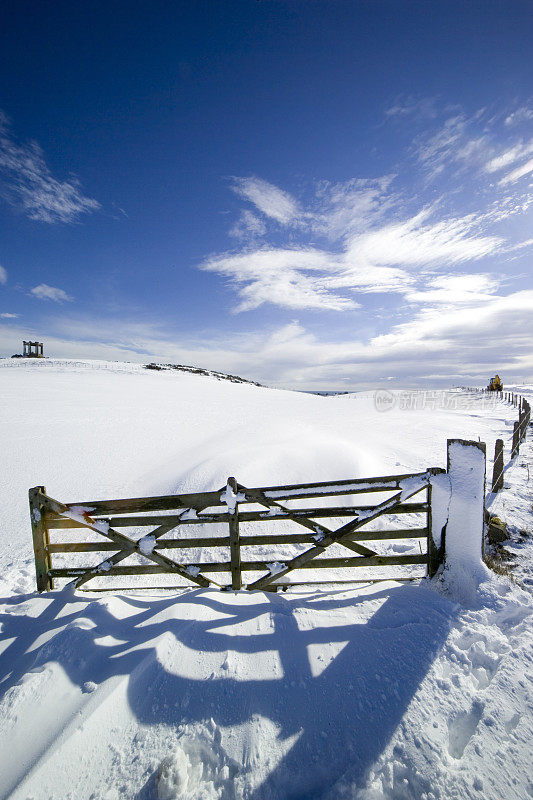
(520, 429)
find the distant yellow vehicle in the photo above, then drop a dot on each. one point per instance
(495, 384)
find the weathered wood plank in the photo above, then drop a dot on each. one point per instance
(43, 561)
(344, 531)
(497, 470)
(516, 440)
(388, 482)
(246, 541)
(208, 499)
(163, 503)
(256, 496)
(127, 545)
(273, 586)
(116, 558)
(145, 521)
(327, 582)
(235, 550)
(247, 566)
(435, 554)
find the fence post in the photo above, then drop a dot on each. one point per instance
(234, 540)
(466, 465)
(523, 418)
(41, 539)
(516, 439)
(436, 519)
(497, 470)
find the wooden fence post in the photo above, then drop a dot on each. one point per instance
(523, 419)
(497, 470)
(436, 523)
(40, 539)
(516, 439)
(234, 540)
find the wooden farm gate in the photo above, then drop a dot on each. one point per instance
(234, 504)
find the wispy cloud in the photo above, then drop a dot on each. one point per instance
(516, 153)
(473, 143)
(409, 106)
(271, 201)
(460, 141)
(3, 275)
(519, 172)
(45, 292)
(456, 289)
(249, 227)
(290, 278)
(7, 315)
(520, 115)
(28, 183)
(384, 258)
(332, 244)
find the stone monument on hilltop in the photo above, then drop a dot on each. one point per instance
(32, 350)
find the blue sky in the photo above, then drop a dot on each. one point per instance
(312, 194)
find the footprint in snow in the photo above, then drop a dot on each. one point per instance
(512, 723)
(462, 727)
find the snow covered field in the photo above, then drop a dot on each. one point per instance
(382, 691)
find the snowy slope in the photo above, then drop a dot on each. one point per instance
(388, 691)
(89, 430)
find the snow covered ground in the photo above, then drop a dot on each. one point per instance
(389, 690)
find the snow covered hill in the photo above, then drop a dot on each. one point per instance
(386, 691)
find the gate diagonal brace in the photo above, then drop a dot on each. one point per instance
(257, 496)
(341, 533)
(128, 547)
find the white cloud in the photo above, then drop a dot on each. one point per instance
(28, 183)
(3, 275)
(45, 292)
(436, 150)
(522, 114)
(461, 345)
(510, 156)
(341, 209)
(418, 241)
(271, 201)
(472, 143)
(281, 276)
(381, 259)
(411, 106)
(248, 227)
(456, 289)
(518, 173)
(497, 325)
(7, 315)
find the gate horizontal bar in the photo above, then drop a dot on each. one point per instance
(57, 523)
(250, 566)
(245, 541)
(213, 498)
